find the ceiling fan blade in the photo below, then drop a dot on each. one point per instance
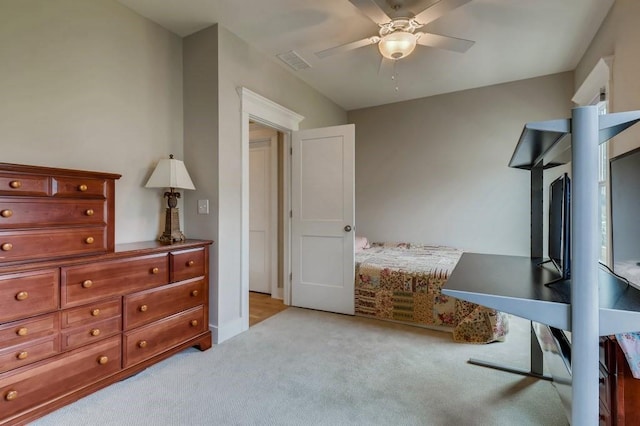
(372, 10)
(437, 10)
(444, 42)
(346, 47)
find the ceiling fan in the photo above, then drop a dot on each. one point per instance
(397, 37)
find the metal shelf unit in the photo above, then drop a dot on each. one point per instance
(593, 302)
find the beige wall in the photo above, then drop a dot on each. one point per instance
(200, 59)
(238, 65)
(91, 85)
(619, 36)
(434, 170)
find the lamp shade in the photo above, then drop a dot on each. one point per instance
(170, 173)
(397, 45)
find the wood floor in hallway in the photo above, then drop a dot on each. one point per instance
(263, 306)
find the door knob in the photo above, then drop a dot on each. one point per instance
(347, 228)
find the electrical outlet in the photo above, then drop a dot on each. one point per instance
(203, 206)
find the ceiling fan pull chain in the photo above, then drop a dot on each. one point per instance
(394, 76)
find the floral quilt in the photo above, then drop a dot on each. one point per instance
(403, 282)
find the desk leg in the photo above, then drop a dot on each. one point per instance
(537, 360)
(536, 363)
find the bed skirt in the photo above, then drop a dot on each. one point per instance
(403, 282)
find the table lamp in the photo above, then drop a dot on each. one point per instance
(171, 173)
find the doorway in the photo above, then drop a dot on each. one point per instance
(324, 142)
(264, 276)
(258, 109)
(266, 238)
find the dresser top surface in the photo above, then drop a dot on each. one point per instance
(53, 171)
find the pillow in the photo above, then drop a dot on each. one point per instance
(361, 243)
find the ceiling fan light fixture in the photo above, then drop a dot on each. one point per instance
(397, 45)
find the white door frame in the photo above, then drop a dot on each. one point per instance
(264, 111)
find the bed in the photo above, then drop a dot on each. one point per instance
(403, 281)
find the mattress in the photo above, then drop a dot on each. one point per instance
(403, 282)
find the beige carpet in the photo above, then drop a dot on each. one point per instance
(304, 367)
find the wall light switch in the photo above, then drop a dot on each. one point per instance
(203, 206)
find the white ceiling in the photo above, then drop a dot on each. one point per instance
(515, 39)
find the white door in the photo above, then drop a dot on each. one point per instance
(322, 226)
(262, 202)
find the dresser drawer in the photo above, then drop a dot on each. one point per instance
(28, 293)
(28, 212)
(20, 332)
(187, 264)
(88, 283)
(18, 184)
(24, 245)
(87, 333)
(91, 313)
(28, 352)
(28, 387)
(150, 340)
(78, 187)
(150, 305)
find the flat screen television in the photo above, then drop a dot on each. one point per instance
(559, 248)
(625, 219)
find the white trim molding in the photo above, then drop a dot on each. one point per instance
(257, 108)
(223, 332)
(269, 112)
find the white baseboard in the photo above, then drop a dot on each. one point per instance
(226, 331)
(278, 294)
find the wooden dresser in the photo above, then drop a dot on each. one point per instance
(77, 312)
(619, 390)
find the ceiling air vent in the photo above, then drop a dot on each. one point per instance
(294, 60)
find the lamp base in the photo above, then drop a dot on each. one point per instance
(172, 233)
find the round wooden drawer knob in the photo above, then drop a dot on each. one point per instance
(15, 184)
(22, 355)
(89, 240)
(6, 247)
(143, 308)
(23, 295)
(87, 283)
(82, 188)
(89, 212)
(6, 213)
(191, 263)
(142, 344)
(194, 293)
(11, 395)
(95, 312)
(103, 360)
(22, 331)
(155, 270)
(95, 332)
(194, 323)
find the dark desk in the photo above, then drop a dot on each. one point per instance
(515, 284)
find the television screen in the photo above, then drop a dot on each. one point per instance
(560, 225)
(625, 223)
